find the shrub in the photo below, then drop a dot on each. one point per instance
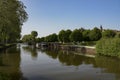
(108, 47)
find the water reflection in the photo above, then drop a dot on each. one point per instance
(48, 66)
(69, 58)
(110, 65)
(107, 64)
(10, 64)
(32, 50)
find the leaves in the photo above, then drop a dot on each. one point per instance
(12, 16)
(64, 35)
(76, 36)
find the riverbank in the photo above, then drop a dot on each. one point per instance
(4, 46)
(89, 50)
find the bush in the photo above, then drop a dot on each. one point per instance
(109, 47)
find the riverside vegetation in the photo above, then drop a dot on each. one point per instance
(109, 47)
(106, 41)
(12, 17)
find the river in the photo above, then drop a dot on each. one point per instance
(26, 63)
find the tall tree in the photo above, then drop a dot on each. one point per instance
(76, 36)
(64, 35)
(51, 38)
(86, 35)
(95, 34)
(34, 34)
(67, 35)
(12, 16)
(61, 36)
(27, 38)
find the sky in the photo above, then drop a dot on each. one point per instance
(51, 16)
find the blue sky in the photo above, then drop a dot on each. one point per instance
(50, 16)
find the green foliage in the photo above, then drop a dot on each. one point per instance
(63, 35)
(95, 34)
(12, 16)
(30, 38)
(27, 38)
(34, 34)
(82, 29)
(42, 39)
(86, 35)
(51, 38)
(109, 47)
(108, 34)
(76, 36)
(67, 35)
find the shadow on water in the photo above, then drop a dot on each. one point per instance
(10, 64)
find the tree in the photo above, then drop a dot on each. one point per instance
(76, 36)
(108, 33)
(82, 29)
(42, 39)
(12, 16)
(86, 35)
(63, 35)
(38, 40)
(67, 35)
(95, 34)
(34, 34)
(51, 38)
(27, 39)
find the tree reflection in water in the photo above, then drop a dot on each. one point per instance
(32, 50)
(68, 58)
(10, 64)
(110, 65)
(10, 61)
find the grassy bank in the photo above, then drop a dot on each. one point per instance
(109, 47)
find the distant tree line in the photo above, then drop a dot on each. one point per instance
(12, 16)
(77, 35)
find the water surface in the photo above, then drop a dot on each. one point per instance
(26, 63)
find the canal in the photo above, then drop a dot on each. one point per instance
(26, 63)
